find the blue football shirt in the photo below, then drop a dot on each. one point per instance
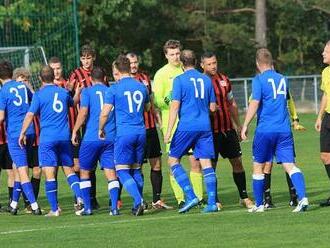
(52, 104)
(271, 89)
(15, 99)
(128, 97)
(195, 92)
(93, 99)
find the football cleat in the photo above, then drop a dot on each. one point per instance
(256, 209)
(325, 203)
(138, 211)
(53, 213)
(268, 203)
(12, 211)
(181, 204)
(293, 201)
(219, 206)
(160, 205)
(246, 202)
(188, 205)
(210, 209)
(36, 212)
(302, 205)
(114, 212)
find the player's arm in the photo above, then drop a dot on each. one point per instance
(103, 119)
(2, 116)
(158, 91)
(233, 108)
(26, 123)
(323, 105)
(294, 114)
(82, 115)
(174, 109)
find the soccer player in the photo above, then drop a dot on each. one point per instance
(226, 125)
(52, 103)
(14, 103)
(23, 75)
(273, 136)
(129, 98)
(192, 99)
(162, 87)
(323, 119)
(79, 78)
(152, 150)
(93, 149)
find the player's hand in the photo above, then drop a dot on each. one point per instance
(298, 127)
(74, 140)
(318, 124)
(22, 140)
(168, 98)
(79, 88)
(70, 84)
(239, 131)
(244, 133)
(167, 138)
(101, 134)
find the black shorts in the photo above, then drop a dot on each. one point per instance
(325, 134)
(227, 144)
(152, 148)
(5, 160)
(33, 158)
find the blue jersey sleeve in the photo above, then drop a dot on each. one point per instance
(176, 91)
(212, 95)
(146, 95)
(2, 100)
(35, 104)
(84, 101)
(256, 89)
(110, 96)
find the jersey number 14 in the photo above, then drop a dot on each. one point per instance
(280, 90)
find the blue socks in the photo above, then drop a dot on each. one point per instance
(28, 191)
(210, 182)
(85, 188)
(73, 181)
(298, 182)
(16, 194)
(258, 188)
(113, 188)
(51, 193)
(183, 180)
(138, 177)
(130, 186)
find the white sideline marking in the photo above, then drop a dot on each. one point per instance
(132, 220)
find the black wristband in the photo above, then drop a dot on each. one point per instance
(295, 119)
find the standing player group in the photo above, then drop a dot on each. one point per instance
(115, 126)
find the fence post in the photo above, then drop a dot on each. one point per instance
(246, 94)
(315, 95)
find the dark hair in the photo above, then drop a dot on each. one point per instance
(207, 55)
(98, 74)
(54, 60)
(47, 74)
(131, 54)
(122, 64)
(171, 44)
(264, 56)
(188, 58)
(6, 70)
(87, 50)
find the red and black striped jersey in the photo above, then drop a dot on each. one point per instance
(3, 135)
(149, 116)
(221, 120)
(81, 76)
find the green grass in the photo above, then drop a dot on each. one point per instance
(232, 227)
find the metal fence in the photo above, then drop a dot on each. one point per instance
(304, 89)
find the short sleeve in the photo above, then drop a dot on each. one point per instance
(110, 95)
(176, 91)
(256, 89)
(35, 104)
(2, 101)
(84, 99)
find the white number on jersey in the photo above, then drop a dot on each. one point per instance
(57, 104)
(101, 98)
(201, 81)
(281, 90)
(137, 98)
(19, 100)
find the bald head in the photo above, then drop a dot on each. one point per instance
(47, 74)
(188, 58)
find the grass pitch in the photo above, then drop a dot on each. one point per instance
(232, 227)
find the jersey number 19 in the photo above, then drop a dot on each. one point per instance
(136, 97)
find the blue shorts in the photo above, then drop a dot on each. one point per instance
(18, 154)
(129, 149)
(55, 153)
(200, 141)
(269, 145)
(92, 151)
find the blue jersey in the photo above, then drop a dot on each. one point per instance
(271, 89)
(15, 99)
(195, 92)
(52, 103)
(128, 97)
(93, 99)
